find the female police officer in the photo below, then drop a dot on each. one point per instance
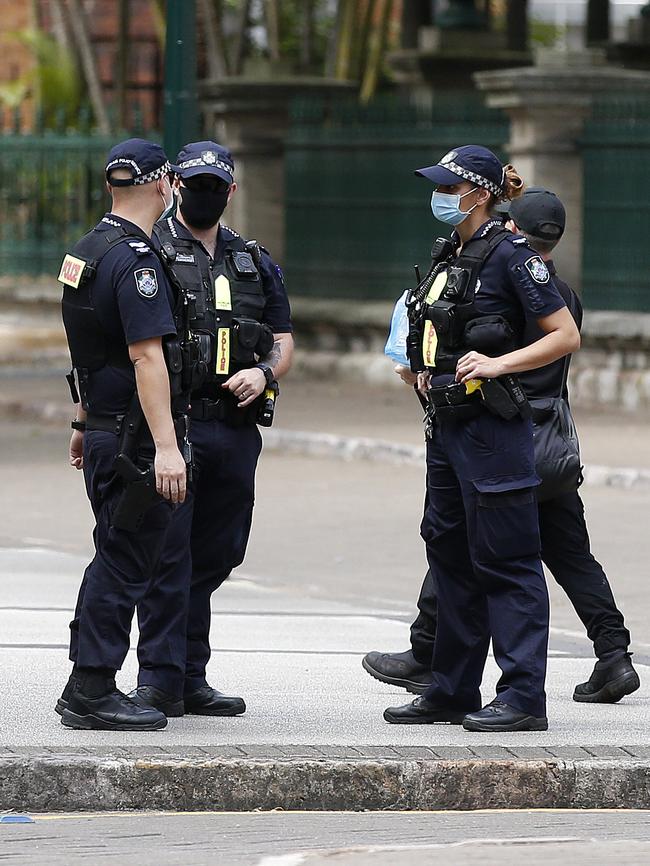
(480, 522)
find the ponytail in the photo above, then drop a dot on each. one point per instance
(513, 184)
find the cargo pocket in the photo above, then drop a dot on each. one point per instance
(506, 518)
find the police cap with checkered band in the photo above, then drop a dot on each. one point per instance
(470, 162)
(145, 160)
(205, 157)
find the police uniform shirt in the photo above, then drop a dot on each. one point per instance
(515, 283)
(547, 381)
(277, 312)
(133, 302)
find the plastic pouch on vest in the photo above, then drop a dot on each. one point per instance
(246, 336)
(395, 347)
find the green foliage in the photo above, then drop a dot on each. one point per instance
(544, 33)
(53, 81)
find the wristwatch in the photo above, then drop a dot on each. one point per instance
(78, 425)
(268, 373)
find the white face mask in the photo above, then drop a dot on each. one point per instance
(446, 206)
(168, 208)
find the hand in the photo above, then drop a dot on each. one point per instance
(171, 474)
(423, 383)
(247, 385)
(406, 374)
(476, 366)
(76, 455)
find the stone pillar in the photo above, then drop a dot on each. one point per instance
(251, 118)
(548, 105)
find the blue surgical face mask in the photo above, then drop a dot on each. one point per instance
(446, 207)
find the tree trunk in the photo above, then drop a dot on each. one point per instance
(361, 43)
(121, 78)
(517, 25)
(272, 17)
(210, 15)
(376, 53)
(240, 38)
(415, 14)
(306, 35)
(344, 52)
(159, 21)
(597, 30)
(81, 38)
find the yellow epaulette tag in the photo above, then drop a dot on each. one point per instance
(71, 271)
(222, 296)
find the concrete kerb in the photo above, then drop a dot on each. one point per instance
(59, 782)
(308, 443)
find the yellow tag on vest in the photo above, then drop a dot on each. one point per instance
(71, 271)
(223, 351)
(222, 297)
(430, 338)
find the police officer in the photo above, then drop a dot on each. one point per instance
(540, 216)
(117, 311)
(239, 314)
(481, 526)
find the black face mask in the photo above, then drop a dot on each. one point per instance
(202, 208)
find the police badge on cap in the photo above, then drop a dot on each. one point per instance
(146, 282)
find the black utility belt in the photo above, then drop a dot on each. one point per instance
(502, 397)
(224, 409)
(113, 423)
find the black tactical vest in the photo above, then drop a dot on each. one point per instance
(451, 322)
(225, 303)
(90, 347)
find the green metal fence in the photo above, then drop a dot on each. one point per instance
(51, 192)
(357, 217)
(616, 247)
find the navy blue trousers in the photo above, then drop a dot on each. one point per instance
(121, 569)
(566, 552)
(207, 538)
(482, 539)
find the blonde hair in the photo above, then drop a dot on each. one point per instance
(514, 185)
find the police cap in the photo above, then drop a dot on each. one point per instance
(145, 160)
(537, 212)
(470, 162)
(205, 157)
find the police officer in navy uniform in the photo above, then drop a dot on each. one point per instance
(481, 526)
(239, 314)
(117, 311)
(540, 216)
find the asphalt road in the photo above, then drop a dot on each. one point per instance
(540, 838)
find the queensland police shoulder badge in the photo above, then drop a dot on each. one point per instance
(537, 269)
(146, 282)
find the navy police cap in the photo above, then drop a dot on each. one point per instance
(469, 162)
(537, 212)
(205, 157)
(145, 160)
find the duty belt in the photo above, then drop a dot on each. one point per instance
(454, 401)
(223, 409)
(113, 423)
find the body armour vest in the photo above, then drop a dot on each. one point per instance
(90, 348)
(225, 304)
(443, 312)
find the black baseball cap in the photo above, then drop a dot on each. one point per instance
(205, 157)
(537, 212)
(470, 162)
(145, 160)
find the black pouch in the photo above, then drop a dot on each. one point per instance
(246, 335)
(488, 334)
(557, 450)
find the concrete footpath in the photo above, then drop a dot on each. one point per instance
(289, 632)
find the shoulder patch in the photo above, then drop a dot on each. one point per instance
(537, 269)
(146, 282)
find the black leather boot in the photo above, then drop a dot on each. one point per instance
(209, 702)
(423, 712)
(150, 696)
(608, 683)
(96, 704)
(498, 716)
(398, 669)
